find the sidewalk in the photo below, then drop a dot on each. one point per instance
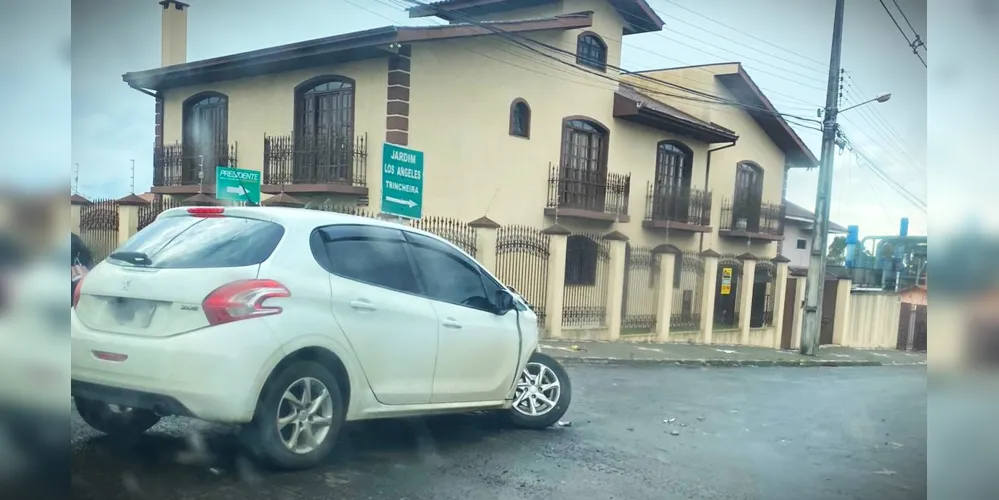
(716, 355)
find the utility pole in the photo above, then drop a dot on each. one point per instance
(815, 282)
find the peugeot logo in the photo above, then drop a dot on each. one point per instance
(125, 284)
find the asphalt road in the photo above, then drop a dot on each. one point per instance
(738, 433)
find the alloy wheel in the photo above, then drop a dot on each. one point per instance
(305, 415)
(538, 390)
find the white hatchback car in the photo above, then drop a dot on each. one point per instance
(292, 321)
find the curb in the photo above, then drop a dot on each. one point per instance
(804, 363)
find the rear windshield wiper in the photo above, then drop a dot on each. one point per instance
(137, 258)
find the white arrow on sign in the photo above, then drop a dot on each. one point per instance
(409, 203)
(235, 190)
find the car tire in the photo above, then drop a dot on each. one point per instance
(128, 423)
(268, 439)
(520, 412)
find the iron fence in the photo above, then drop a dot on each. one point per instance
(588, 190)
(752, 217)
(344, 209)
(727, 290)
(522, 264)
(688, 292)
(99, 227)
(641, 290)
(290, 159)
(587, 273)
(764, 294)
(148, 213)
(453, 230)
(678, 204)
(175, 165)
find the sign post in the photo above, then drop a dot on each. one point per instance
(234, 184)
(402, 182)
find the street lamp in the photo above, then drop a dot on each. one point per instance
(883, 97)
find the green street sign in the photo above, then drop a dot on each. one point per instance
(234, 184)
(402, 182)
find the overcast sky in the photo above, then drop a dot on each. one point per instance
(112, 124)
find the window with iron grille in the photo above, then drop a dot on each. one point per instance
(591, 51)
(205, 133)
(520, 119)
(324, 126)
(580, 261)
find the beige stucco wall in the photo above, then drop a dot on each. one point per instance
(873, 320)
(265, 105)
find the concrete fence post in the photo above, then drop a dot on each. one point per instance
(745, 298)
(615, 281)
(128, 216)
(664, 298)
(485, 242)
(76, 204)
(710, 289)
(841, 317)
(780, 297)
(558, 238)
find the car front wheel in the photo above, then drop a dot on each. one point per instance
(543, 393)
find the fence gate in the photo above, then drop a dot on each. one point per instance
(919, 328)
(727, 299)
(761, 312)
(99, 227)
(587, 273)
(522, 263)
(688, 293)
(641, 290)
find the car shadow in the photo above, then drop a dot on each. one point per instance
(189, 455)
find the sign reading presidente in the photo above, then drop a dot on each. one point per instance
(236, 184)
(402, 182)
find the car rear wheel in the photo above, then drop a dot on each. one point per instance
(297, 419)
(115, 420)
(543, 393)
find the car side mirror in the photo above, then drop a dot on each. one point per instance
(504, 302)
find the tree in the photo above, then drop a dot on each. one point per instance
(837, 251)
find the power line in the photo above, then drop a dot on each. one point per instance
(873, 166)
(711, 98)
(823, 65)
(912, 44)
(918, 40)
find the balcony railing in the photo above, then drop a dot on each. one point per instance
(289, 159)
(582, 191)
(175, 166)
(752, 219)
(678, 205)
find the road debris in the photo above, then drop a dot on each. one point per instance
(669, 420)
(674, 432)
(885, 472)
(564, 423)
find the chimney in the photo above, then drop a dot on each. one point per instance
(174, 44)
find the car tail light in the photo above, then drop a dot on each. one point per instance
(206, 211)
(76, 290)
(242, 300)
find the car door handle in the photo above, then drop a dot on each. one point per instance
(451, 323)
(362, 305)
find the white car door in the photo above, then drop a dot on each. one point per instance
(477, 351)
(376, 299)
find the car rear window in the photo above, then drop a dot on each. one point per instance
(193, 242)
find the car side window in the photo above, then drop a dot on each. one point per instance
(447, 275)
(369, 254)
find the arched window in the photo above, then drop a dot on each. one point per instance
(520, 119)
(673, 165)
(748, 194)
(580, 260)
(591, 51)
(324, 129)
(583, 172)
(205, 134)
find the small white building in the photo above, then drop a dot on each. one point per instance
(797, 242)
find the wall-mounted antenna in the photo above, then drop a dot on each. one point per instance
(133, 176)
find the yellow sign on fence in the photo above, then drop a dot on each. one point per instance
(726, 284)
(726, 289)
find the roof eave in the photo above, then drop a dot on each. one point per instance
(627, 108)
